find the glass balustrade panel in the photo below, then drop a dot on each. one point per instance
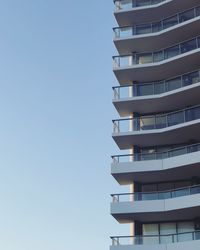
(188, 46)
(171, 52)
(147, 123)
(145, 89)
(190, 78)
(175, 118)
(143, 29)
(173, 84)
(169, 22)
(187, 15)
(144, 58)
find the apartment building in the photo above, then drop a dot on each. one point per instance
(158, 101)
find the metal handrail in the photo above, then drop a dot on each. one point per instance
(140, 239)
(140, 196)
(162, 155)
(159, 24)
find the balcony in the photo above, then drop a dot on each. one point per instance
(160, 96)
(128, 12)
(159, 64)
(178, 208)
(180, 241)
(159, 129)
(162, 195)
(175, 164)
(159, 34)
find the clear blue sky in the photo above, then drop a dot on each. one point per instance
(55, 125)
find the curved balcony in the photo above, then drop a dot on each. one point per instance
(161, 96)
(156, 35)
(180, 241)
(183, 207)
(129, 12)
(130, 4)
(159, 64)
(158, 129)
(162, 195)
(175, 164)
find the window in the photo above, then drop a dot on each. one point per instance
(189, 14)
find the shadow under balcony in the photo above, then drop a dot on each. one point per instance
(135, 11)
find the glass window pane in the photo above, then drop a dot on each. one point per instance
(185, 227)
(175, 118)
(198, 11)
(173, 84)
(189, 14)
(171, 52)
(146, 89)
(144, 58)
(156, 27)
(147, 123)
(158, 56)
(191, 78)
(192, 114)
(189, 45)
(150, 229)
(149, 188)
(159, 87)
(124, 32)
(161, 122)
(143, 29)
(166, 229)
(169, 22)
(142, 2)
(124, 4)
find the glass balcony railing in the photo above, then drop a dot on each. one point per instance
(156, 88)
(148, 28)
(155, 239)
(130, 4)
(157, 121)
(155, 57)
(162, 195)
(156, 155)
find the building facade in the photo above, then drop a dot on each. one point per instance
(158, 101)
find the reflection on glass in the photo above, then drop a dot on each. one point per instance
(189, 14)
(143, 29)
(173, 83)
(171, 52)
(176, 118)
(189, 45)
(144, 58)
(170, 22)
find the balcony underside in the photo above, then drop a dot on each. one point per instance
(180, 134)
(179, 98)
(157, 41)
(192, 245)
(171, 169)
(181, 208)
(154, 12)
(174, 66)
